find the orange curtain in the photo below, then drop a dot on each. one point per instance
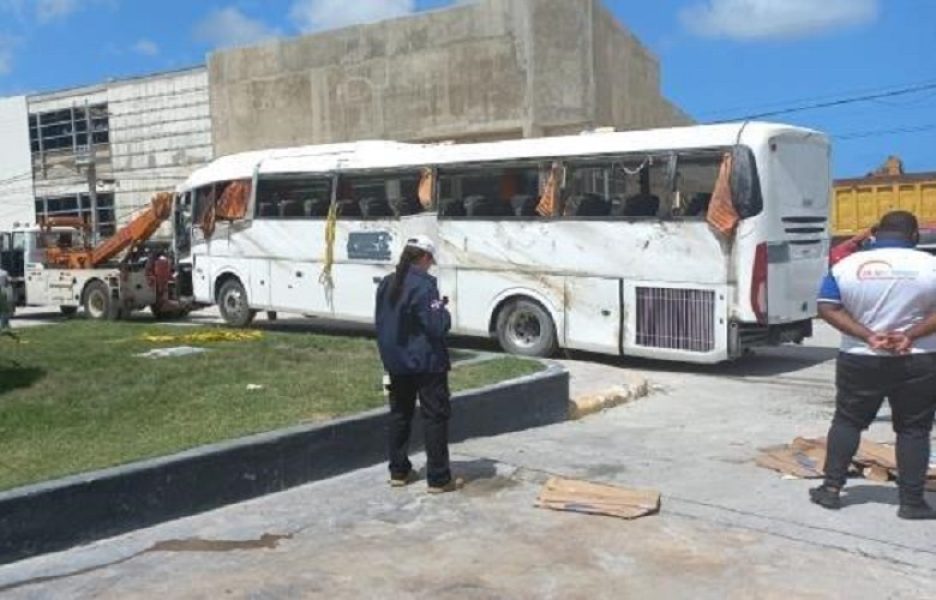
(549, 202)
(426, 186)
(234, 200)
(722, 216)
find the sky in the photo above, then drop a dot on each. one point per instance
(720, 59)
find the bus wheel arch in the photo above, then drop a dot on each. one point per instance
(232, 300)
(523, 325)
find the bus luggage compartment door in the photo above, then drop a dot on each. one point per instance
(593, 314)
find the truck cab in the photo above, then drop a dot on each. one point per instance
(13, 246)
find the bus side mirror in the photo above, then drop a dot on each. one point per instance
(745, 183)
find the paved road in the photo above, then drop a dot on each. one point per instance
(727, 529)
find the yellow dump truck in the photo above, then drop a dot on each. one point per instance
(858, 204)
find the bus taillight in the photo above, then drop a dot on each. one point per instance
(759, 284)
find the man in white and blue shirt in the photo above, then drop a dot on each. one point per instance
(883, 300)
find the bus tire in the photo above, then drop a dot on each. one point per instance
(98, 304)
(232, 301)
(525, 328)
(68, 311)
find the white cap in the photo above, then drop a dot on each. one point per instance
(423, 243)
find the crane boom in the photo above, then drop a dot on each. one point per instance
(140, 229)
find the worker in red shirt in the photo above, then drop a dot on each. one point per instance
(849, 247)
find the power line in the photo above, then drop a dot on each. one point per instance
(808, 99)
(834, 103)
(883, 132)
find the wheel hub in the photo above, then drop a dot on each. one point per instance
(525, 329)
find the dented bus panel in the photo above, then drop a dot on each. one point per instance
(620, 260)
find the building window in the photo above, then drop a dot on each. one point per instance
(69, 129)
(79, 205)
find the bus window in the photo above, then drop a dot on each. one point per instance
(696, 174)
(380, 195)
(500, 191)
(293, 196)
(621, 187)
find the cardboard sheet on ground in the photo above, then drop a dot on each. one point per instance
(805, 459)
(176, 352)
(597, 499)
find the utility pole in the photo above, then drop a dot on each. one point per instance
(92, 173)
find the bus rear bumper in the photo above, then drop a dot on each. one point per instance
(746, 336)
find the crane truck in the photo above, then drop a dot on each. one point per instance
(54, 263)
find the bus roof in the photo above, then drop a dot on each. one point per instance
(367, 155)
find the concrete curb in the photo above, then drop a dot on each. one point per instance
(58, 515)
(588, 404)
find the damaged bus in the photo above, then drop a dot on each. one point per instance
(691, 244)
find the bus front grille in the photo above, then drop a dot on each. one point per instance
(676, 319)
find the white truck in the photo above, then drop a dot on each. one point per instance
(54, 265)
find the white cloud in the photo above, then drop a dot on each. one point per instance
(776, 19)
(146, 47)
(230, 27)
(52, 10)
(319, 15)
(7, 44)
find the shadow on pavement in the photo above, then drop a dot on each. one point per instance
(870, 494)
(768, 362)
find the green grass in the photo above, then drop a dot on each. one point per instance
(73, 397)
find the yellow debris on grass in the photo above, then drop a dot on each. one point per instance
(205, 337)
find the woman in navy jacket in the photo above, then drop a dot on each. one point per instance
(412, 322)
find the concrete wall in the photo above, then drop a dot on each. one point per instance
(628, 82)
(492, 70)
(160, 132)
(16, 199)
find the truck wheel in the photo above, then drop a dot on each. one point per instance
(526, 329)
(98, 304)
(68, 311)
(232, 300)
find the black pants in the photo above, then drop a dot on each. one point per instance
(863, 382)
(436, 408)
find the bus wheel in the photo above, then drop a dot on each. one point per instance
(232, 300)
(97, 301)
(525, 328)
(68, 311)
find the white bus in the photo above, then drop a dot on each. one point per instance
(598, 242)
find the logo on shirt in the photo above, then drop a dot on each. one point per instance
(883, 270)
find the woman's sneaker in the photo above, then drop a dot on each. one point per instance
(398, 481)
(452, 486)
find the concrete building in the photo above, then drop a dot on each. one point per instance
(16, 190)
(146, 135)
(495, 69)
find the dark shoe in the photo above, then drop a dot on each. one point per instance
(398, 481)
(452, 486)
(916, 512)
(826, 497)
